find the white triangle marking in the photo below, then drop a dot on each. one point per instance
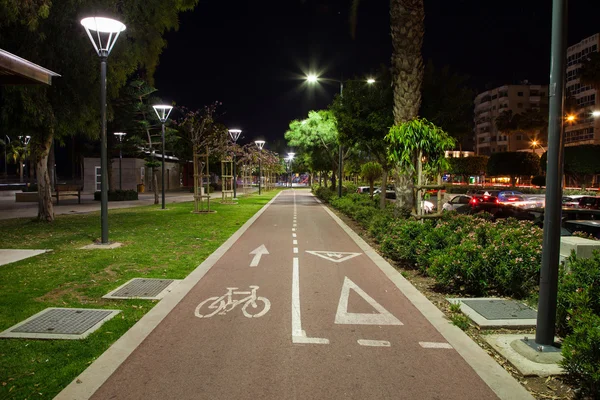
(342, 316)
(335, 256)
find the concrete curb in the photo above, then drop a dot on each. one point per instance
(494, 375)
(90, 380)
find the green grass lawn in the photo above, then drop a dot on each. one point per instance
(157, 244)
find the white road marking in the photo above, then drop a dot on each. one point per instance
(295, 242)
(295, 250)
(258, 253)
(298, 335)
(342, 316)
(374, 343)
(293, 235)
(222, 305)
(293, 229)
(294, 225)
(335, 256)
(435, 345)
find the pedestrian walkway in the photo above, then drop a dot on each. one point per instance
(11, 209)
(295, 306)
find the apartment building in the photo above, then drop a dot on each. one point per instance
(586, 129)
(491, 103)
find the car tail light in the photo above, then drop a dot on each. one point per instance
(473, 200)
(497, 201)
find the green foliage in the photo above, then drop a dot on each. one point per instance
(409, 139)
(371, 171)
(460, 320)
(467, 166)
(539, 180)
(514, 164)
(580, 162)
(118, 195)
(324, 193)
(454, 307)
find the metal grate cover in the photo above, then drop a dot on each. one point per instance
(501, 309)
(60, 323)
(142, 288)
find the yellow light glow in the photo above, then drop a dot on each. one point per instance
(571, 118)
(312, 78)
(596, 114)
(534, 143)
(370, 81)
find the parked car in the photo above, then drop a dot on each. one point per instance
(589, 202)
(499, 210)
(571, 201)
(455, 202)
(363, 189)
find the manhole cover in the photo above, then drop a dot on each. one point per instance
(501, 309)
(60, 323)
(142, 288)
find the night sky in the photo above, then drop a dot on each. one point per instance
(252, 55)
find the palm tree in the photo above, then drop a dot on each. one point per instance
(590, 70)
(407, 29)
(508, 123)
(533, 123)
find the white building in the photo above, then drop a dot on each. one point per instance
(586, 129)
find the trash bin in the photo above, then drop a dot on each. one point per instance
(141, 188)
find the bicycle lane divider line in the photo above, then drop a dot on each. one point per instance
(491, 373)
(94, 376)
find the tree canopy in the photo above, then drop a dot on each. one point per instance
(514, 164)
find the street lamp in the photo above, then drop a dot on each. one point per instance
(162, 112)
(313, 78)
(571, 118)
(289, 160)
(120, 136)
(260, 144)
(234, 134)
(25, 140)
(596, 113)
(106, 32)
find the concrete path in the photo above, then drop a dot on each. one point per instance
(11, 209)
(295, 306)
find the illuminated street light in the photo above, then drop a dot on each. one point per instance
(571, 118)
(163, 112)
(260, 144)
(289, 160)
(596, 114)
(234, 134)
(106, 32)
(312, 78)
(371, 81)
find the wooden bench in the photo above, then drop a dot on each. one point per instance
(68, 189)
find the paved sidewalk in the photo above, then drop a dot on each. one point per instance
(295, 306)
(11, 209)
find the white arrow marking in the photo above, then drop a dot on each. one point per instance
(342, 316)
(258, 253)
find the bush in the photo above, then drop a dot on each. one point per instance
(539, 181)
(118, 195)
(581, 354)
(323, 192)
(215, 187)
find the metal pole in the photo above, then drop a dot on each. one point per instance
(546, 317)
(341, 149)
(103, 153)
(234, 179)
(163, 166)
(120, 167)
(259, 176)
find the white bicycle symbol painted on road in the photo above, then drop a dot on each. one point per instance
(222, 305)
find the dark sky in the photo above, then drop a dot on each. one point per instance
(251, 55)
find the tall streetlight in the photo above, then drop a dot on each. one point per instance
(313, 78)
(260, 144)
(25, 140)
(234, 134)
(106, 32)
(290, 159)
(120, 136)
(162, 112)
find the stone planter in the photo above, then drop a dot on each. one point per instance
(26, 197)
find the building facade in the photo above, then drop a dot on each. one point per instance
(586, 129)
(491, 103)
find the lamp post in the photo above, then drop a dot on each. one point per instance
(106, 32)
(290, 159)
(120, 136)
(234, 134)
(260, 144)
(312, 78)
(25, 140)
(162, 112)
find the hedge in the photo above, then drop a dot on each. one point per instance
(118, 195)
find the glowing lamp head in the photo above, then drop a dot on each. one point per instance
(291, 155)
(260, 144)
(534, 143)
(370, 81)
(234, 134)
(571, 118)
(162, 112)
(120, 135)
(106, 30)
(312, 78)
(596, 114)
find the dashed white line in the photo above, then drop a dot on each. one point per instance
(293, 229)
(293, 235)
(435, 345)
(374, 343)
(295, 225)
(295, 242)
(295, 250)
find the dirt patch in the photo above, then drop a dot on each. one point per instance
(555, 388)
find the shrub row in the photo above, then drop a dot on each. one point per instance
(461, 189)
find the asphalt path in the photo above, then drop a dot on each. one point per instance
(315, 318)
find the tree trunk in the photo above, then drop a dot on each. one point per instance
(371, 187)
(155, 184)
(45, 207)
(51, 166)
(384, 179)
(407, 29)
(333, 180)
(20, 171)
